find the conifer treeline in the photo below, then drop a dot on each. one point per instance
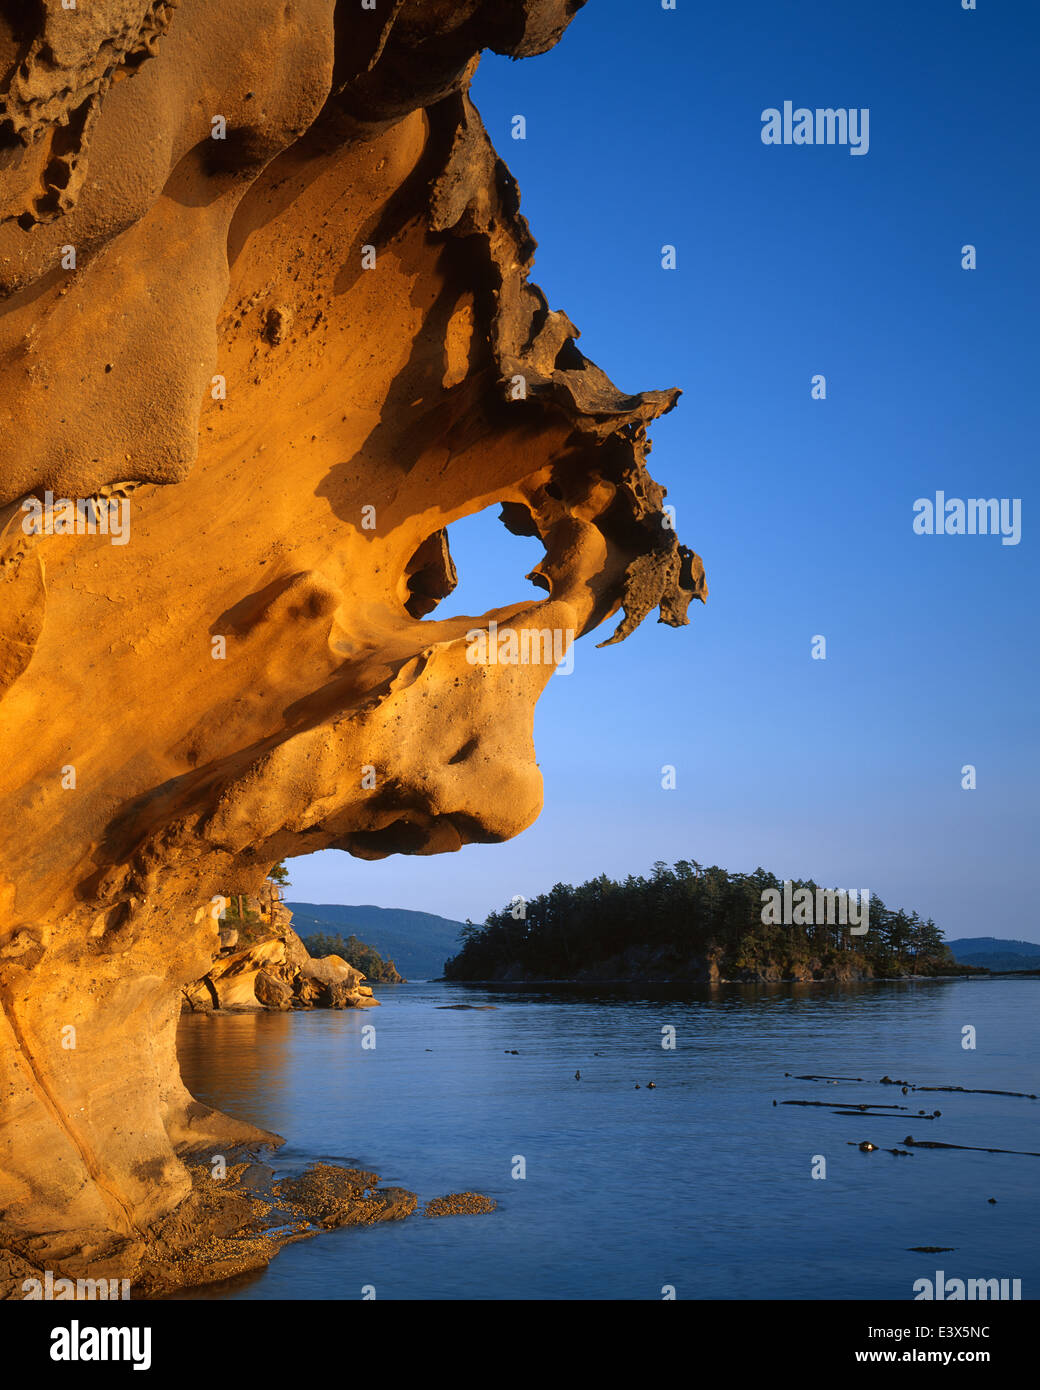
(356, 953)
(684, 913)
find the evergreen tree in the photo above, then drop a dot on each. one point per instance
(683, 915)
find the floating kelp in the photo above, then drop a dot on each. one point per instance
(825, 1078)
(829, 1105)
(910, 1086)
(971, 1091)
(972, 1148)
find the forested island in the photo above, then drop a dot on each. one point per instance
(696, 924)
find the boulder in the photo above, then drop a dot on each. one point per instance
(308, 993)
(331, 970)
(272, 992)
(342, 996)
(234, 977)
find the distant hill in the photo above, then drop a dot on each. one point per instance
(417, 942)
(994, 953)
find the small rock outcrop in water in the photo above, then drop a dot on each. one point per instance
(276, 972)
(460, 1204)
(356, 953)
(344, 1196)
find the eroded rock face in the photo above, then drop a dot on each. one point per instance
(274, 970)
(290, 356)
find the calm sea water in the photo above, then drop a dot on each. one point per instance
(700, 1183)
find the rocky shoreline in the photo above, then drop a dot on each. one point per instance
(705, 971)
(524, 981)
(227, 1226)
(237, 1217)
(239, 1212)
(270, 968)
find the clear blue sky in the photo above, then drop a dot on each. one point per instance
(643, 128)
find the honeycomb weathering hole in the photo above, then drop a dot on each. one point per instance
(480, 561)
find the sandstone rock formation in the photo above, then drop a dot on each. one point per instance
(265, 302)
(275, 971)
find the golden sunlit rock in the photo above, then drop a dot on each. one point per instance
(266, 302)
